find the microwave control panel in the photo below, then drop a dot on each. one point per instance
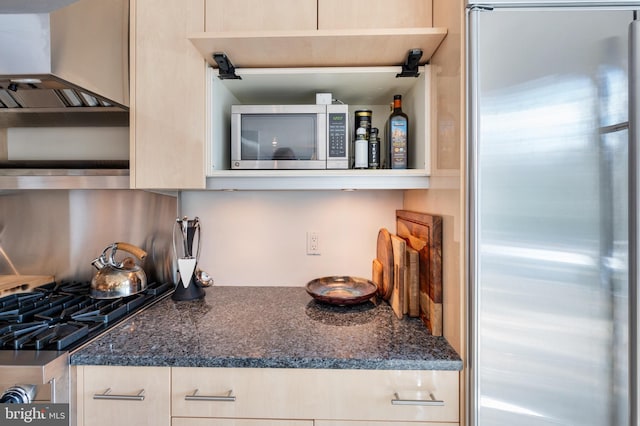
(337, 137)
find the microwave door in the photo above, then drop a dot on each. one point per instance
(279, 140)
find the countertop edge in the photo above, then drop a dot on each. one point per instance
(337, 364)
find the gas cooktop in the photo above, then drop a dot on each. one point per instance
(62, 316)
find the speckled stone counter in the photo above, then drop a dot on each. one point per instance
(267, 327)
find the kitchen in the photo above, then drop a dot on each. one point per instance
(255, 225)
(172, 171)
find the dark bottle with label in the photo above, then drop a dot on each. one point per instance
(374, 149)
(398, 136)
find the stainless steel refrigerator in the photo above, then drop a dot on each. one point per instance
(552, 194)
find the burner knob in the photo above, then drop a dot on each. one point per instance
(18, 394)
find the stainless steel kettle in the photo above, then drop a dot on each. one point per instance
(118, 279)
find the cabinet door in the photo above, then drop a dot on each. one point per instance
(266, 393)
(341, 14)
(374, 423)
(167, 115)
(261, 15)
(181, 421)
(122, 404)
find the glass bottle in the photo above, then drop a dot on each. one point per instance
(398, 136)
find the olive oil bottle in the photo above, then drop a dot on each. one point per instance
(398, 136)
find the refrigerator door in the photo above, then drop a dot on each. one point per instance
(548, 216)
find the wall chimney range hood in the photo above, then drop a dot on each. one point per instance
(69, 67)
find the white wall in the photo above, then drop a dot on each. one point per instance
(259, 238)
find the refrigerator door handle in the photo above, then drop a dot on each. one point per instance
(634, 186)
(471, 220)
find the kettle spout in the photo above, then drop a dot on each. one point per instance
(98, 263)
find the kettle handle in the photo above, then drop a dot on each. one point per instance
(130, 248)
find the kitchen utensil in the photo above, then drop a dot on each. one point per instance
(384, 254)
(423, 232)
(190, 286)
(341, 290)
(118, 279)
(412, 283)
(399, 256)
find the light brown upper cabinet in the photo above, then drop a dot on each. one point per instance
(260, 15)
(167, 122)
(361, 14)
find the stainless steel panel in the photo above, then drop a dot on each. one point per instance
(60, 232)
(548, 262)
(634, 228)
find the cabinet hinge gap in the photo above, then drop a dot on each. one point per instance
(410, 66)
(226, 70)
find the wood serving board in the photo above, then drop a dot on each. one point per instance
(10, 284)
(384, 255)
(423, 232)
(399, 258)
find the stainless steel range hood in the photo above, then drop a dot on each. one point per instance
(69, 67)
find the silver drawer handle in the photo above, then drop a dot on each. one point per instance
(107, 395)
(431, 402)
(229, 397)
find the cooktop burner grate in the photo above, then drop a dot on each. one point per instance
(62, 316)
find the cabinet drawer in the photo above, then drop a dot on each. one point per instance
(374, 423)
(123, 404)
(358, 14)
(182, 421)
(263, 15)
(314, 394)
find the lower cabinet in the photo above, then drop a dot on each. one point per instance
(191, 396)
(124, 396)
(330, 397)
(181, 421)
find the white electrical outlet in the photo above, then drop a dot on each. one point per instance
(313, 243)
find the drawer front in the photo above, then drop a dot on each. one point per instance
(375, 423)
(124, 404)
(315, 394)
(182, 421)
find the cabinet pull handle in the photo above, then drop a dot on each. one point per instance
(229, 397)
(432, 401)
(107, 395)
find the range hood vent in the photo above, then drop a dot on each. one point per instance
(69, 67)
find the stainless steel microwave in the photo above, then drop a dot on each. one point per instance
(289, 137)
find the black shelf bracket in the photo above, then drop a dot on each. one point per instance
(226, 70)
(410, 66)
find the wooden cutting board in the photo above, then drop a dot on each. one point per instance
(399, 258)
(376, 273)
(412, 283)
(423, 232)
(22, 283)
(384, 255)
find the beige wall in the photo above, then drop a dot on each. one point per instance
(259, 237)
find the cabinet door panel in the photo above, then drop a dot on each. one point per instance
(262, 15)
(341, 14)
(374, 423)
(153, 410)
(168, 95)
(314, 394)
(181, 421)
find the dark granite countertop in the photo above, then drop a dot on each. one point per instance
(269, 327)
